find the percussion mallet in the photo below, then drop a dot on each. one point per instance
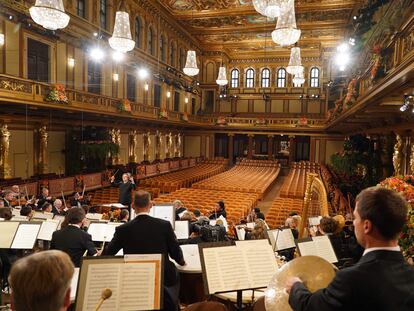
(106, 294)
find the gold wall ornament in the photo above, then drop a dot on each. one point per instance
(169, 145)
(397, 156)
(132, 147)
(158, 142)
(412, 159)
(5, 171)
(147, 144)
(313, 185)
(179, 144)
(116, 139)
(42, 165)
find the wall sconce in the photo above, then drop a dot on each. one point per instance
(168, 94)
(71, 62)
(146, 86)
(1, 39)
(115, 76)
(186, 100)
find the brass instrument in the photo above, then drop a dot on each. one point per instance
(315, 272)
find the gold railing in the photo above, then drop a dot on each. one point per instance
(19, 90)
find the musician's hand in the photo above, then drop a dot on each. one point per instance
(131, 179)
(98, 253)
(49, 198)
(290, 282)
(112, 178)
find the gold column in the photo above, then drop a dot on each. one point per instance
(42, 165)
(398, 156)
(147, 143)
(5, 171)
(116, 139)
(132, 147)
(158, 145)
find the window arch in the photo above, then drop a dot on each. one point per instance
(281, 77)
(138, 26)
(314, 77)
(162, 48)
(250, 77)
(235, 74)
(150, 41)
(172, 54)
(265, 77)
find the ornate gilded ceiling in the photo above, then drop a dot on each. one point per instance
(235, 26)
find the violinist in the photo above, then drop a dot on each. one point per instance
(77, 200)
(8, 197)
(58, 208)
(44, 197)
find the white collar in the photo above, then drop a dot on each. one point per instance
(384, 248)
(74, 225)
(142, 213)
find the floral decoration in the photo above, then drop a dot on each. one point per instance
(378, 61)
(352, 93)
(163, 113)
(125, 106)
(57, 94)
(221, 120)
(185, 116)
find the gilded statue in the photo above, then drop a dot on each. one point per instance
(178, 146)
(5, 171)
(412, 159)
(168, 145)
(116, 139)
(43, 141)
(397, 156)
(147, 143)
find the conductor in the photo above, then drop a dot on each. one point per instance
(125, 189)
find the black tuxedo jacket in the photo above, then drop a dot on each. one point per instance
(380, 281)
(73, 241)
(147, 235)
(125, 192)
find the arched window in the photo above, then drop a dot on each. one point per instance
(281, 77)
(138, 32)
(250, 77)
(172, 54)
(162, 48)
(235, 78)
(150, 41)
(266, 77)
(314, 77)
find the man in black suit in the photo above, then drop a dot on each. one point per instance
(72, 239)
(147, 235)
(43, 198)
(381, 280)
(126, 186)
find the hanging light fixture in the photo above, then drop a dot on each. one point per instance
(269, 8)
(286, 32)
(121, 39)
(191, 68)
(222, 76)
(298, 79)
(295, 62)
(50, 14)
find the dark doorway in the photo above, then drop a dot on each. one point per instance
(221, 145)
(176, 101)
(209, 101)
(131, 88)
(37, 61)
(94, 77)
(157, 95)
(302, 148)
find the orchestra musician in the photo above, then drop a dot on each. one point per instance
(44, 197)
(126, 186)
(77, 200)
(219, 210)
(8, 198)
(382, 280)
(58, 208)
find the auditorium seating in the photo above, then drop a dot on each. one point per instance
(110, 194)
(250, 176)
(237, 204)
(184, 178)
(294, 185)
(337, 200)
(280, 209)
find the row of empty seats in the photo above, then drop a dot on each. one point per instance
(183, 178)
(257, 163)
(246, 179)
(294, 185)
(280, 209)
(237, 204)
(110, 195)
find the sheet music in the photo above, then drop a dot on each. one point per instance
(241, 233)
(101, 231)
(182, 214)
(74, 284)
(284, 237)
(249, 264)
(60, 218)
(324, 248)
(135, 284)
(192, 259)
(46, 230)
(40, 215)
(7, 231)
(314, 221)
(94, 216)
(15, 212)
(166, 212)
(26, 236)
(307, 248)
(117, 205)
(182, 230)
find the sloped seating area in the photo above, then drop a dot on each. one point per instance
(246, 177)
(280, 209)
(294, 185)
(237, 204)
(185, 178)
(336, 198)
(110, 194)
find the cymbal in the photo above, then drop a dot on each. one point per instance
(315, 272)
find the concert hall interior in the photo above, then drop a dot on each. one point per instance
(207, 155)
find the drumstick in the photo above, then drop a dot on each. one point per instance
(116, 172)
(83, 191)
(106, 294)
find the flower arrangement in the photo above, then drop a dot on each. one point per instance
(260, 121)
(303, 121)
(221, 121)
(79, 181)
(185, 116)
(405, 186)
(378, 67)
(163, 113)
(57, 94)
(352, 93)
(125, 106)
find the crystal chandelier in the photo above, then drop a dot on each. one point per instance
(121, 39)
(286, 32)
(269, 8)
(295, 62)
(50, 14)
(298, 79)
(191, 68)
(222, 76)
